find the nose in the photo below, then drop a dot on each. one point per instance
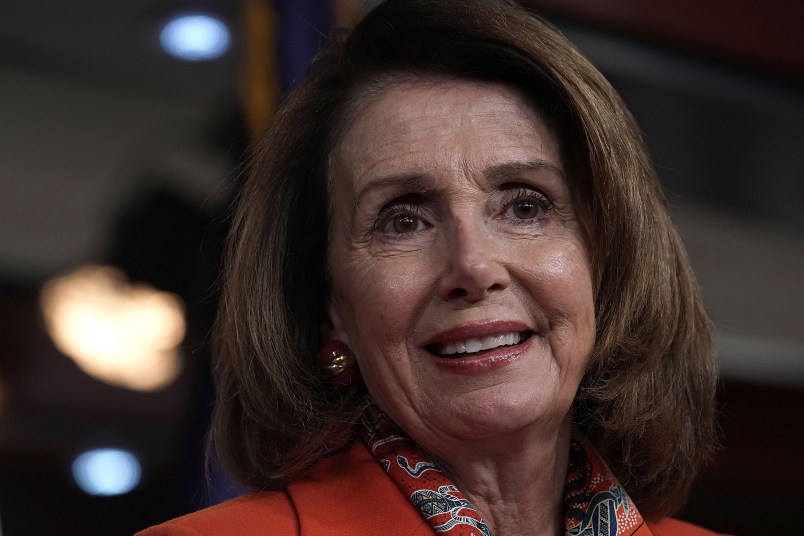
(474, 269)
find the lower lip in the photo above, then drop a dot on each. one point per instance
(491, 360)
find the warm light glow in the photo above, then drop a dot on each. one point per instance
(125, 335)
(107, 471)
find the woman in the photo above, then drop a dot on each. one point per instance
(453, 290)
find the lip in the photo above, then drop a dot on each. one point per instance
(485, 362)
(477, 330)
(488, 360)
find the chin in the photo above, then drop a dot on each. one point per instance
(500, 414)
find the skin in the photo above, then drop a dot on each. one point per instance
(451, 209)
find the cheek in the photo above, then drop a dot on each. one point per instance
(381, 299)
(562, 285)
(380, 302)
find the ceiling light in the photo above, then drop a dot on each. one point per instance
(122, 334)
(107, 471)
(195, 37)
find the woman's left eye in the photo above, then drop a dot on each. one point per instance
(527, 205)
(524, 209)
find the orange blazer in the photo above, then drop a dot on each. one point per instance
(346, 494)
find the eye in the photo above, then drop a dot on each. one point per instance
(402, 216)
(403, 223)
(524, 209)
(526, 204)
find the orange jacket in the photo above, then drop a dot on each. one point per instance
(345, 495)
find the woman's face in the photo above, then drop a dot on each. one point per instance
(460, 278)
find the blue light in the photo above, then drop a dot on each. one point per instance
(195, 37)
(107, 471)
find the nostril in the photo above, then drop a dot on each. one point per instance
(457, 293)
(496, 286)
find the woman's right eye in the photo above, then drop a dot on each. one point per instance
(402, 223)
(402, 216)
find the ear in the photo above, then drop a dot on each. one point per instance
(332, 328)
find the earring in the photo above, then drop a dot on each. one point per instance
(339, 364)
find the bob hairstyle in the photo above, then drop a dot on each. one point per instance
(647, 399)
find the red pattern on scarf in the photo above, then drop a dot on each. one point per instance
(595, 504)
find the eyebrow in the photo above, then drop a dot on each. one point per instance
(417, 183)
(510, 170)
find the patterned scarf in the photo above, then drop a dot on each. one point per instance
(595, 504)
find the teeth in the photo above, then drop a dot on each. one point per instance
(471, 346)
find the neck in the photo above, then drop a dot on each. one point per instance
(515, 482)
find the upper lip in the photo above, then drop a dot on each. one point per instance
(476, 330)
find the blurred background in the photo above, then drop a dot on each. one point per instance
(122, 128)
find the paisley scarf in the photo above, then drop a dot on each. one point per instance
(595, 504)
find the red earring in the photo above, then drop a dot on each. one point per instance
(339, 364)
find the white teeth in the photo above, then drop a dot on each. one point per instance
(471, 346)
(491, 341)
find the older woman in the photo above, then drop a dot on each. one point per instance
(453, 291)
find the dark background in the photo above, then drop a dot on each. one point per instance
(113, 152)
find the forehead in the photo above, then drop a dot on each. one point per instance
(420, 124)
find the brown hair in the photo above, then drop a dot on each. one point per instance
(647, 399)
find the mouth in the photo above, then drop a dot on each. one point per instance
(478, 346)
